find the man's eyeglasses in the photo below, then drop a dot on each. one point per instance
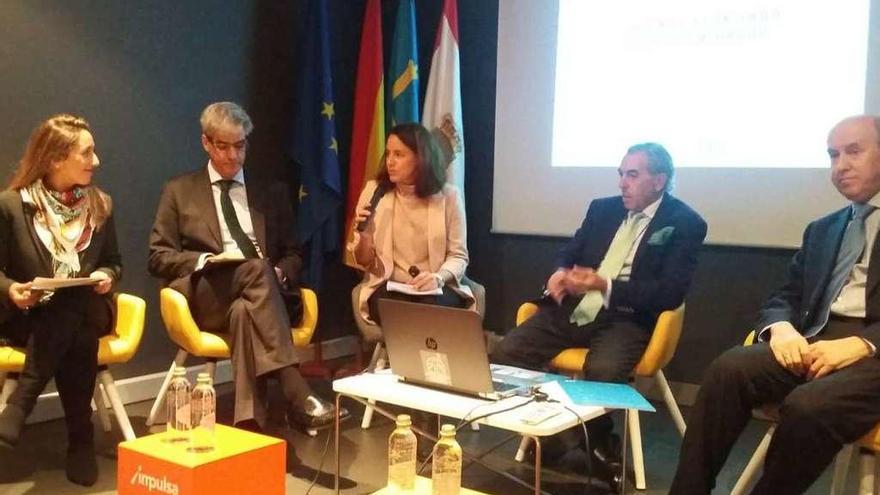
(223, 146)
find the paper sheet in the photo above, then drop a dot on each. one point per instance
(408, 289)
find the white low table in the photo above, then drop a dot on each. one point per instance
(385, 387)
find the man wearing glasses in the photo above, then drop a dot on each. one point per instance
(229, 246)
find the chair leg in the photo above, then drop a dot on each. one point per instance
(211, 368)
(867, 472)
(179, 360)
(755, 464)
(523, 448)
(841, 469)
(635, 441)
(380, 365)
(669, 399)
(116, 403)
(9, 383)
(101, 407)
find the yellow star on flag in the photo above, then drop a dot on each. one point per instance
(334, 145)
(328, 110)
(302, 193)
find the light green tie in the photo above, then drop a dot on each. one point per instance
(621, 245)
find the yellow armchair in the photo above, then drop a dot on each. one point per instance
(661, 348)
(117, 347)
(183, 331)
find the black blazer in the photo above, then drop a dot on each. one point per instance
(187, 226)
(664, 262)
(809, 273)
(23, 256)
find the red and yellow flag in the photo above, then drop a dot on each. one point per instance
(368, 134)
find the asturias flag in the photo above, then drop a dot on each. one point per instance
(404, 70)
(368, 133)
(443, 100)
(315, 147)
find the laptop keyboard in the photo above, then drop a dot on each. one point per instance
(499, 386)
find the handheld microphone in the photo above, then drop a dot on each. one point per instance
(374, 200)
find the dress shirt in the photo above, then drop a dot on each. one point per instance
(626, 270)
(238, 195)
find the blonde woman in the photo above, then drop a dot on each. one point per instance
(55, 223)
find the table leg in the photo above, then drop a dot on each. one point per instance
(537, 441)
(336, 440)
(626, 413)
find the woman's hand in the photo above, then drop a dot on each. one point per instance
(22, 296)
(426, 281)
(105, 283)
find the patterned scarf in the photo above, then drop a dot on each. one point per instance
(63, 223)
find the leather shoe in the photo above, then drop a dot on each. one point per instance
(316, 413)
(607, 463)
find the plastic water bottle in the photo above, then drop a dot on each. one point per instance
(177, 407)
(402, 456)
(446, 467)
(204, 415)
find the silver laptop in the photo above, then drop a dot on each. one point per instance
(442, 347)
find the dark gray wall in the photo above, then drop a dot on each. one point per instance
(142, 71)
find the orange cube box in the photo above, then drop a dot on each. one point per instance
(241, 462)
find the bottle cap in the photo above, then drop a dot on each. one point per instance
(404, 420)
(204, 378)
(179, 371)
(447, 429)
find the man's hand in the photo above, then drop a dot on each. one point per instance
(790, 348)
(556, 285)
(425, 281)
(22, 296)
(832, 355)
(580, 280)
(105, 283)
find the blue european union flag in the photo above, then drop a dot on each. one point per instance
(315, 148)
(404, 70)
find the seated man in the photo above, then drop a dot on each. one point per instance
(632, 258)
(817, 339)
(229, 247)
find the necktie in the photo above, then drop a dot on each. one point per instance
(851, 248)
(621, 245)
(241, 239)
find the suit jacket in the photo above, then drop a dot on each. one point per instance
(23, 256)
(809, 273)
(664, 261)
(187, 225)
(447, 245)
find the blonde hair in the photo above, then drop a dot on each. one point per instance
(52, 141)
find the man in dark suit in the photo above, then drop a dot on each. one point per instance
(230, 248)
(632, 258)
(817, 341)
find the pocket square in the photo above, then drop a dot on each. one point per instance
(661, 236)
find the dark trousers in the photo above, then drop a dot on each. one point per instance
(616, 345)
(449, 298)
(816, 417)
(243, 302)
(61, 339)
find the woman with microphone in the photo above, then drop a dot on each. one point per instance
(411, 227)
(55, 224)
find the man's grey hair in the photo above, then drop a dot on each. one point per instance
(223, 114)
(659, 161)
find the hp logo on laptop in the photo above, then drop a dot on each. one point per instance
(431, 344)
